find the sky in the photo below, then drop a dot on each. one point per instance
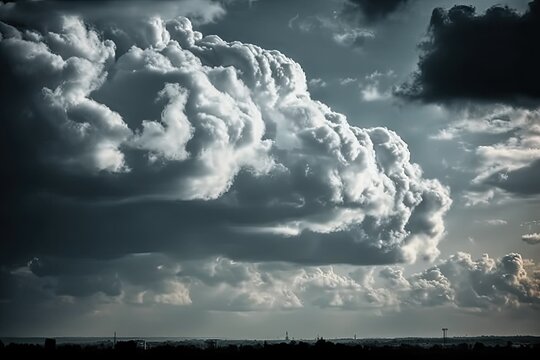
(240, 169)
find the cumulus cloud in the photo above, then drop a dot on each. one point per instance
(479, 57)
(216, 147)
(533, 238)
(479, 197)
(346, 81)
(223, 284)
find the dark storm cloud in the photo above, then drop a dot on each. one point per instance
(371, 10)
(86, 277)
(490, 57)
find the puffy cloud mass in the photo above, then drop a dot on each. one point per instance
(191, 145)
(483, 283)
(480, 57)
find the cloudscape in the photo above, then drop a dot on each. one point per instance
(242, 168)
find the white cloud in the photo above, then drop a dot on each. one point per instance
(177, 294)
(533, 238)
(167, 138)
(346, 81)
(493, 222)
(342, 33)
(485, 283)
(317, 83)
(89, 133)
(443, 134)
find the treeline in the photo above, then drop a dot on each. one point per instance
(320, 348)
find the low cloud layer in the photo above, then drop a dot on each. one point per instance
(190, 145)
(490, 57)
(222, 284)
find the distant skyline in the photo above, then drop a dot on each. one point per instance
(239, 169)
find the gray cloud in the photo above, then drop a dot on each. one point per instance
(191, 145)
(484, 283)
(479, 57)
(503, 150)
(132, 279)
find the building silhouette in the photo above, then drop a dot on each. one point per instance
(50, 344)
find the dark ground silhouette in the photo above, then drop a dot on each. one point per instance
(135, 349)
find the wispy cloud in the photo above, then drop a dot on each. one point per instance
(494, 222)
(317, 83)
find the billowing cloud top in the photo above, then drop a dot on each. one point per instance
(219, 140)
